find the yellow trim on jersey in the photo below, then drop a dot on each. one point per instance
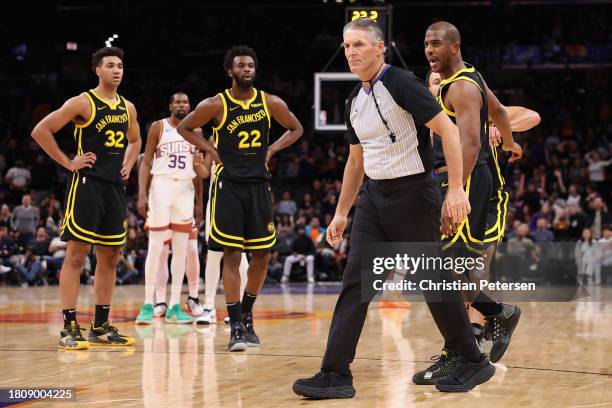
(444, 108)
(113, 106)
(497, 222)
(216, 129)
(127, 110)
(451, 79)
(245, 105)
(440, 99)
(93, 112)
(265, 106)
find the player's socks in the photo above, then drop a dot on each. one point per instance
(485, 305)
(211, 277)
(248, 299)
(192, 269)
(69, 316)
(161, 279)
(156, 245)
(177, 266)
(101, 316)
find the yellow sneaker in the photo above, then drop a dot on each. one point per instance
(72, 339)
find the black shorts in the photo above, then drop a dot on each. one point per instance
(471, 232)
(241, 216)
(496, 217)
(95, 211)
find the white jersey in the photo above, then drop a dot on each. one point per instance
(173, 154)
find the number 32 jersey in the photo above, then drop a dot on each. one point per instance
(105, 135)
(242, 138)
(173, 155)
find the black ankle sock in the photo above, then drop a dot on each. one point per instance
(233, 311)
(485, 305)
(102, 312)
(69, 316)
(248, 299)
(195, 299)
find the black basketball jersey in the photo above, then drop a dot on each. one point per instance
(471, 75)
(105, 135)
(242, 138)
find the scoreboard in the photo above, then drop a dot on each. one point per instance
(382, 15)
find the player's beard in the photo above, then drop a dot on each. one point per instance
(180, 114)
(245, 84)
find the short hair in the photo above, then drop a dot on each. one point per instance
(451, 33)
(177, 93)
(238, 51)
(98, 56)
(368, 25)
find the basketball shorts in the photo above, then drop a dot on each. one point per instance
(241, 216)
(95, 211)
(471, 232)
(496, 218)
(171, 204)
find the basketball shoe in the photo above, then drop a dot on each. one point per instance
(237, 337)
(72, 339)
(108, 335)
(499, 329)
(177, 316)
(146, 314)
(249, 332)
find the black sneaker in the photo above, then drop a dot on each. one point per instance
(72, 339)
(499, 330)
(443, 366)
(108, 335)
(325, 385)
(249, 333)
(466, 375)
(237, 337)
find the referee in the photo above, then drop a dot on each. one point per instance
(387, 117)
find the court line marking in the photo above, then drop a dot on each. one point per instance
(122, 350)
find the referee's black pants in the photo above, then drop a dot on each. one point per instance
(405, 209)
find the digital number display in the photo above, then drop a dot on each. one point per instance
(378, 14)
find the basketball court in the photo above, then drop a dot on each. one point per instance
(560, 356)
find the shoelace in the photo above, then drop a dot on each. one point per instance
(75, 331)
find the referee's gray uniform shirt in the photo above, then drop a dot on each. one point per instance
(406, 104)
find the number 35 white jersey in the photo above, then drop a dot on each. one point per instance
(173, 155)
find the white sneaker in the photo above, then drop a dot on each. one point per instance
(160, 309)
(285, 279)
(194, 306)
(5, 269)
(226, 320)
(208, 316)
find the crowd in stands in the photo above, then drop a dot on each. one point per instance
(559, 192)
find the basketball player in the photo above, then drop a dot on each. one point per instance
(192, 267)
(212, 272)
(241, 207)
(465, 98)
(521, 119)
(174, 186)
(107, 141)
